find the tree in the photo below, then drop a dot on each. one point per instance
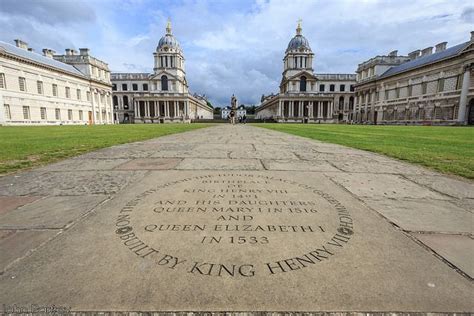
(217, 111)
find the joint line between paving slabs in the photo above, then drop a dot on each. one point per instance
(410, 236)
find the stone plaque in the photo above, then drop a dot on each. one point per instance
(234, 225)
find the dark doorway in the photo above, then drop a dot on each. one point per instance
(470, 115)
(375, 117)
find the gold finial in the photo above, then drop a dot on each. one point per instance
(298, 28)
(168, 26)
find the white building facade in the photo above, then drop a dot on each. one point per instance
(162, 96)
(305, 96)
(425, 87)
(51, 89)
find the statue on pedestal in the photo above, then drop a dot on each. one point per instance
(233, 109)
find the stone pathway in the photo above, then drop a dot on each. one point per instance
(236, 218)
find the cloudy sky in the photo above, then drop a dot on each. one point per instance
(236, 46)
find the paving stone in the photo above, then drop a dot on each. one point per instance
(382, 186)
(262, 154)
(299, 165)
(459, 250)
(220, 164)
(50, 212)
(450, 186)
(191, 154)
(150, 164)
(8, 203)
(16, 244)
(67, 183)
(425, 215)
(84, 164)
(374, 166)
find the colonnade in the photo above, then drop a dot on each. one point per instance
(161, 108)
(302, 108)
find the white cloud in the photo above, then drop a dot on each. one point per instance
(236, 46)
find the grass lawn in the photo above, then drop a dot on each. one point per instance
(446, 149)
(27, 146)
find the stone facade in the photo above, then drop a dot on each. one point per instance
(51, 89)
(241, 111)
(424, 87)
(162, 96)
(305, 96)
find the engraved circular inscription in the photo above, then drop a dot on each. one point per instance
(234, 225)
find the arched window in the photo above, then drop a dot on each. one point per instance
(303, 83)
(125, 102)
(115, 101)
(351, 103)
(164, 83)
(341, 103)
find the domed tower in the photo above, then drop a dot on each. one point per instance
(169, 64)
(298, 55)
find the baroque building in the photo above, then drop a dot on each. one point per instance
(424, 87)
(53, 89)
(162, 96)
(304, 95)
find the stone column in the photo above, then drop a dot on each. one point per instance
(291, 105)
(463, 99)
(280, 111)
(310, 109)
(167, 110)
(300, 108)
(320, 109)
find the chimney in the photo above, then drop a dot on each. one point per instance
(19, 43)
(68, 51)
(441, 46)
(30, 49)
(427, 51)
(84, 51)
(48, 52)
(393, 53)
(414, 54)
(73, 51)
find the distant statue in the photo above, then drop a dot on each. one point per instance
(233, 103)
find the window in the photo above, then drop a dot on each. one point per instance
(81, 115)
(352, 88)
(39, 85)
(68, 92)
(424, 87)
(88, 95)
(332, 87)
(145, 87)
(26, 112)
(125, 102)
(55, 90)
(8, 114)
(69, 115)
(321, 88)
(134, 87)
(2, 81)
(78, 94)
(342, 87)
(441, 85)
(22, 83)
(303, 83)
(124, 87)
(43, 113)
(386, 95)
(115, 101)
(58, 114)
(102, 99)
(103, 115)
(459, 82)
(114, 87)
(410, 90)
(164, 83)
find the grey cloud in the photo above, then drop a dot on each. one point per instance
(52, 12)
(467, 15)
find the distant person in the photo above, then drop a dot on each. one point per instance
(232, 117)
(244, 119)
